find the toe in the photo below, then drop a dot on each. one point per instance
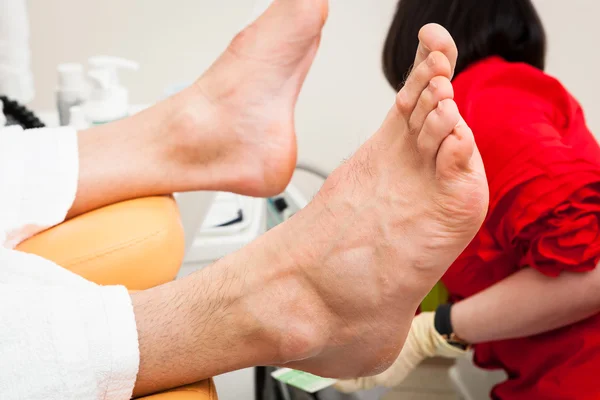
(303, 18)
(456, 152)
(436, 129)
(434, 37)
(440, 88)
(436, 64)
(461, 144)
(297, 25)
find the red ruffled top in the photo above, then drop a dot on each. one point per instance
(543, 168)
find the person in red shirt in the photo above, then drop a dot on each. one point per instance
(526, 292)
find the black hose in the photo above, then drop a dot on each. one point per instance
(20, 114)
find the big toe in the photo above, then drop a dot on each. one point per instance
(293, 23)
(456, 152)
(434, 37)
(461, 174)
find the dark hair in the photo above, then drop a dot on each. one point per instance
(511, 29)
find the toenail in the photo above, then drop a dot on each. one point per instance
(402, 99)
(440, 107)
(431, 60)
(433, 86)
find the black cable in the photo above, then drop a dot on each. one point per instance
(20, 114)
(237, 220)
(260, 376)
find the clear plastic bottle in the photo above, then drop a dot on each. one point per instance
(109, 100)
(72, 90)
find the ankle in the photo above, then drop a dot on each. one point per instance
(279, 295)
(194, 145)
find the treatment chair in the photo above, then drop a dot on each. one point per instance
(138, 244)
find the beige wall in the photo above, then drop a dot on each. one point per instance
(345, 96)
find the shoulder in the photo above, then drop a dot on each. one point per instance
(498, 91)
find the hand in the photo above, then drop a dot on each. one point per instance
(423, 342)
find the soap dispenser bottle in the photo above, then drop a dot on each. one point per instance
(72, 90)
(108, 100)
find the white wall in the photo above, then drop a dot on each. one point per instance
(574, 56)
(345, 97)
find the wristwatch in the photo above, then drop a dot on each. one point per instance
(443, 325)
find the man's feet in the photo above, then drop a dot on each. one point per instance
(247, 100)
(382, 231)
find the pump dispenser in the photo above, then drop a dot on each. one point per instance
(108, 101)
(77, 119)
(72, 89)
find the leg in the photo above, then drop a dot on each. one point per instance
(233, 130)
(334, 289)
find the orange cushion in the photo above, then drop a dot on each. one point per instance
(204, 390)
(137, 243)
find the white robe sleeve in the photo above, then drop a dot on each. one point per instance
(16, 77)
(61, 337)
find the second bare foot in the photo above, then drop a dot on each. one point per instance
(247, 100)
(380, 233)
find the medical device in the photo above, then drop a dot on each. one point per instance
(13, 113)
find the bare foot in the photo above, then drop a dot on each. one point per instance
(383, 230)
(251, 93)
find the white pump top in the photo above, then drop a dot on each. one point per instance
(108, 100)
(70, 77)
(77, 118)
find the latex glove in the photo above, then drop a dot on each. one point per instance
(423, 342)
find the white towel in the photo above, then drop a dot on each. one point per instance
(61, 337)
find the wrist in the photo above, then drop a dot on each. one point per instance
(444, 326)
(461, 322)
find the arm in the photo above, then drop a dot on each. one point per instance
(544, 219)
(525, 304)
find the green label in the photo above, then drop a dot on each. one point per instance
(97, 123)
(302, 380)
